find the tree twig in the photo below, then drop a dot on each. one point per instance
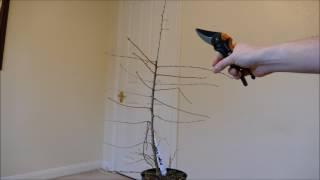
(140, 78)
(186, 77)
(165, 89)
(188, 84)
(171, 159)
(179, 91)
(124, 147)
(127, 71)
(137, 47)
(137, 107)
(177, 122)
(124, 122)
(182, 110)
(133, 75)
(195, 67)
(136, 94)
(145, 145)
(148, 159)
(145, 64)
(124, 56)
(184, 96)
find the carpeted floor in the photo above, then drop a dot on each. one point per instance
(94, 175)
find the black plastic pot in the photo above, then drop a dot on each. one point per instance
(172, 174)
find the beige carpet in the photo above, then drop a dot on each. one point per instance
(94, 175)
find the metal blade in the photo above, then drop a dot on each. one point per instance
(205, 35)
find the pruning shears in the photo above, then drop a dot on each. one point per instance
(222, 43)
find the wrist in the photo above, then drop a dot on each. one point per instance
(267, 56)
(272, 58)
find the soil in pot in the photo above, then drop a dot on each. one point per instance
(172, 174)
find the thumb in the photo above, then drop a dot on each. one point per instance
(223, 64)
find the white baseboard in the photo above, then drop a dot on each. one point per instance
(106, 165)
(57, 172)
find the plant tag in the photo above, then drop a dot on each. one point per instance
(163, 168)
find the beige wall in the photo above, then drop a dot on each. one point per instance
(269, 129)
(56, 73)
(53, 83)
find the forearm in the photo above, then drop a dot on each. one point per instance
(299, 56)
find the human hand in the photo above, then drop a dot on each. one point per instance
(244, 56)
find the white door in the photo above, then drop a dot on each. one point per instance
(141, 22)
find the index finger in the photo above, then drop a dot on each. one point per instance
(223, 64)
(217, 59)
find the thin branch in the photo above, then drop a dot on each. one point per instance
(139, 57)
(188, 84)
(226, 75)
(179, 91)
(136, 94)
(137, 47)
(145, 146)
(182, 110)
(129, 92)
(166, 89)
(138, 107)
(160, 139)
(161, 29)
(195, 67)
(172, 66)
(146, 64)
(148, 159)
(177, 122)
(129, 57)
(126, 70)
(124, 122)
(147, 155)
(184, 96)
(149, 81)
(123, 56)
(156, 104)
(124, 147)
(171, 159)
(187, 77)
(134, 75)
(140, 78)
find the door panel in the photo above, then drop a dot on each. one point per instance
(140, 21)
